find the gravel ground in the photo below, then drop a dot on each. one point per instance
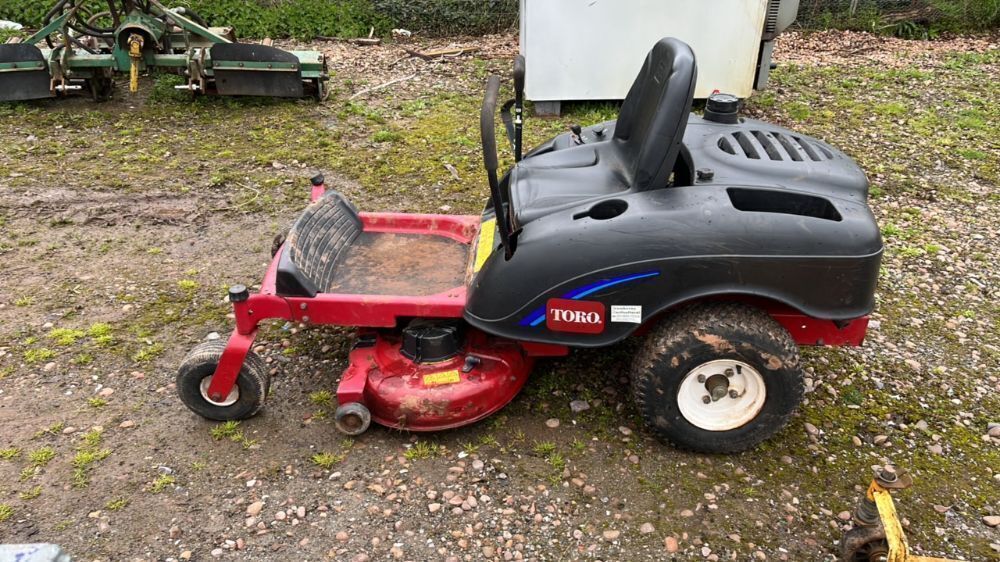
(124, 222)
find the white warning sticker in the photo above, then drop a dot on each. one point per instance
(631, 314)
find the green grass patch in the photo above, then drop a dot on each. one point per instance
(88, 453)
(116, 504)
(387, 136)
(326, 460)
(39, 355)
(161, 483)
(30, 493)
(65, 336)
(6, 512)
(322, 398)
(148, 353)
(227, 430)
(41, 457)
(53, 429)
(9, 453)
(82, 359)
(423, 450)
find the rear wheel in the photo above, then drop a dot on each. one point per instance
(717, 378)
(244, 400)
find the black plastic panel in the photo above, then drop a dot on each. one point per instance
(252, 82)
(28, 84)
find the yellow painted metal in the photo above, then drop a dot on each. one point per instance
(135, 43)
(442, 378)
(487, 235)
(899, 551)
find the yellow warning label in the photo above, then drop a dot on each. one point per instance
(444, 377)
(487, 233)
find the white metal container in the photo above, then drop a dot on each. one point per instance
(592, 49)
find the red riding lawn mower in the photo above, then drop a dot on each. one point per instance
(721, 241)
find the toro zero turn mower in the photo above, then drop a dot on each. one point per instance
(721, 241)
(83, 43)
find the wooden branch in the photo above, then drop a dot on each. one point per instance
(381, 86)
(359, 41)
(431, 55)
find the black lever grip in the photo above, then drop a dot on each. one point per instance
(519, 69)
(486, 123)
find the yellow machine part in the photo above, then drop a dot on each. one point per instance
(899, 551)
(487, 235)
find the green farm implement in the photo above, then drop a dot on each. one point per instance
(83, 44)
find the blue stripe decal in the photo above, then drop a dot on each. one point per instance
(537, 316)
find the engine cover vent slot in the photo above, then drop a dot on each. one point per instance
(746, 145)
(769, 147)
(783, 202)
(792, 151)
(726, 146)
(778, 146)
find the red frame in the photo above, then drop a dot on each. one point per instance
(371, 311)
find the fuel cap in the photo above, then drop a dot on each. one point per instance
(722, 108)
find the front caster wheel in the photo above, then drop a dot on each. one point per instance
(195, 374)
(352, 419)
(717, 378)
(864, 544)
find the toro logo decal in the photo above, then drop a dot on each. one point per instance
(581, 317)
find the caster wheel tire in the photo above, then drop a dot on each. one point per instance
(717, 378)
(864, 544)
(195, 374)
(352, 419)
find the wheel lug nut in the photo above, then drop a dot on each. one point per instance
(706, 399)
(729, 372)
(701, 378)
(733, 394)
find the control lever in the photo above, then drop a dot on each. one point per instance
(577, 135)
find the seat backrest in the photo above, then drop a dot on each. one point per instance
(654, 114)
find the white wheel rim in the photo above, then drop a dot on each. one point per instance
(739, 395)
(234, 394)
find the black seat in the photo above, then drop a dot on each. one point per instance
(639, 156)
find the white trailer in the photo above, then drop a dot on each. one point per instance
(592, 49)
